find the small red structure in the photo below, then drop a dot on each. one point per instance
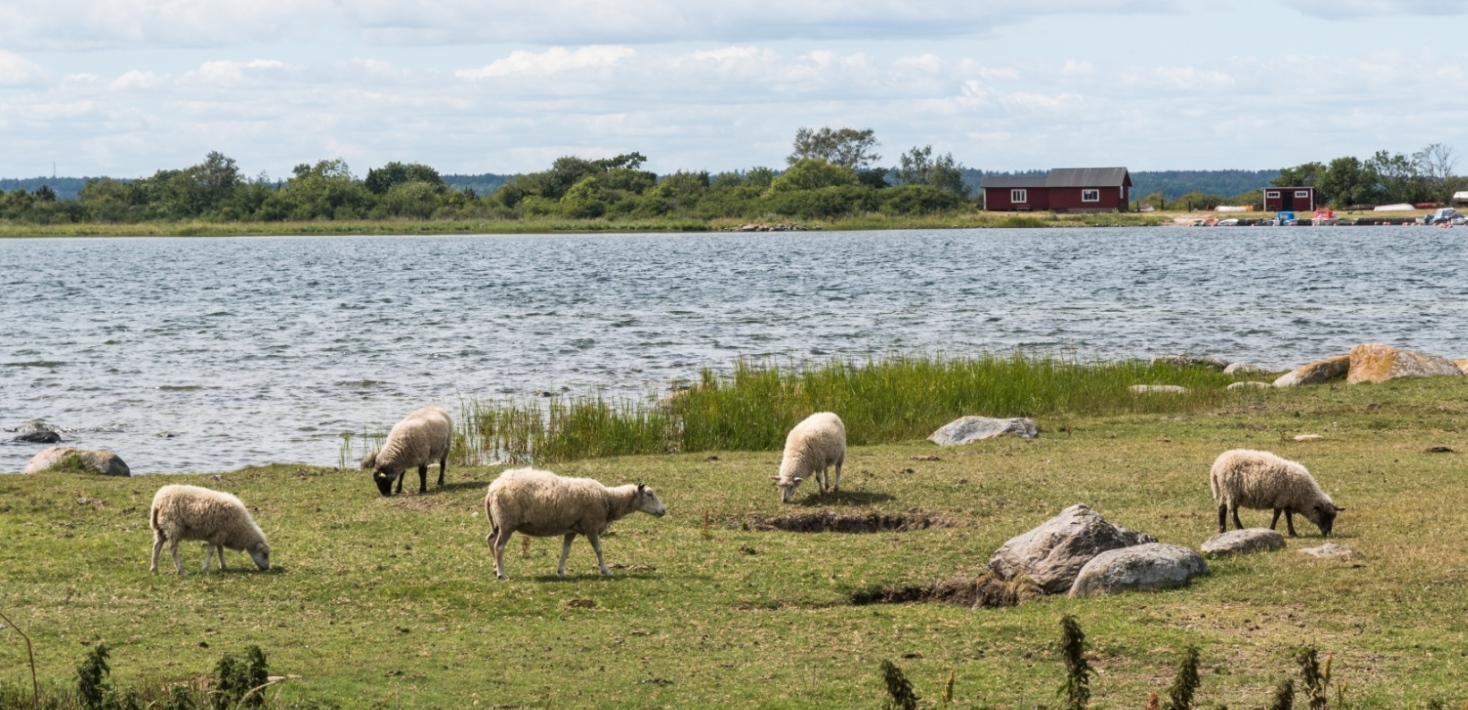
(1289, 199)
(1060, 190)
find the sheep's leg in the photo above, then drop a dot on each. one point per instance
(208, 552)
(443, 466)
(423, 478)
(177, 561)
(821, 477)
(596, 545)
(1222, 518)
(496, 540)
(1275, 520)
(220, 550)
(565, 550)
(1290, 522)
(836, 488)
(401, 475)
(157, 548)
(1238, 525)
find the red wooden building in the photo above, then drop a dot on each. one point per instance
(1290, 199)
(1060, 190)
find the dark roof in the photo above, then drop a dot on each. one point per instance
(1064, 177)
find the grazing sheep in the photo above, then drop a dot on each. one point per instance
(811, 446)
(422, 438)
(192, 513)
(542, 504)
(1260, 480)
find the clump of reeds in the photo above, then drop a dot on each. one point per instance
(900, 695)
(1076, 690)
(754, 406)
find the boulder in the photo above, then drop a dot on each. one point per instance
(38, 437)
(1250, 385)
(1242, 368)
(1375, 362)
(1315, 373)
(1211, 363)
(1054, 553)
(1142, 568)
(100, 463)
(1158, 389)
(1462, 366)
(966, 430)
(1244, 542)
(1329, 550)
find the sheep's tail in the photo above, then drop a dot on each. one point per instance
(1213, 482)
(154, 517)
(494, 526)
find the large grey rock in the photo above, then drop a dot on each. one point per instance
(100, 463)
(1244, 542)
(1211, 363)
(1054, 553)
(1141, 568)
(966, 430)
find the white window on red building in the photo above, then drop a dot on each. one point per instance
(1090, 195)
(1019, 196)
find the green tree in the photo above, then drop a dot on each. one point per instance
(1303, 175)
(919, 167)
(847, 147)
(385, 178)
(812, 174)
(1348, 181)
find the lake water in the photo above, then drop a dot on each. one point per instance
(256, 350)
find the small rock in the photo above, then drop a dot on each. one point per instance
(1329, 550)
(1250, 385)
(1141, 568)
(579, 603)
(38, 437)
(1244, 542)
(1307, 437)
(1054, 553)
(1158, 389)
(168, 434)
(1375, 362)
(1211, 363)
(1317, 372)
(1242, 368)
(966, 430)
(100, 463)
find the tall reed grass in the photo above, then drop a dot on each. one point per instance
(880, 400)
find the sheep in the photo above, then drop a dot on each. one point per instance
(1259, 479)
(422, 438)
(542, 504)
(219, 519)
(811, 446)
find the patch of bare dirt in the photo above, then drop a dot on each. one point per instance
(982, 592)
(831, 521)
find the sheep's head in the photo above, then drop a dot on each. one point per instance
(647, 501)
(1323, 515)
(786, 486)
(261, 554)
(384, 479)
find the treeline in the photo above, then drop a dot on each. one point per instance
(1384, 178)
(829, 174)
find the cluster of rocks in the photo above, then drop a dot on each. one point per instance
(1367, 362)
(781, 227)
(37, 432)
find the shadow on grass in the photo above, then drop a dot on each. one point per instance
(844, 498)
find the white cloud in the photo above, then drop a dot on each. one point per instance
(16, 70)
(553, 61)
(1347, 9)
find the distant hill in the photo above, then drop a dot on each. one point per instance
(66, 187)
(481, 184)
(1171, 183)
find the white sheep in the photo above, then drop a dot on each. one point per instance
(542, 504)
(422, 438)
(812, 446)
(192, 513)
(1260, 480)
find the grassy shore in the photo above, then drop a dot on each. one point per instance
(956, 220)
(391, 602)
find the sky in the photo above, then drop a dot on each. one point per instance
(127, 87)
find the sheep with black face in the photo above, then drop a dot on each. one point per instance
(1244, 478)
(422, 438)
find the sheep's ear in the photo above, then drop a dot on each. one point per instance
(641, 488)
(797, 480)
(1340, 508)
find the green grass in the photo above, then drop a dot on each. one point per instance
(880, 400)
(392, 602)
(549, 225)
